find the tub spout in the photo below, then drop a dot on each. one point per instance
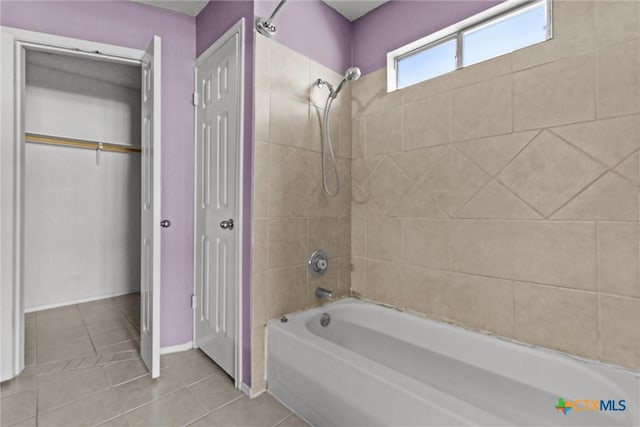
(323, 293)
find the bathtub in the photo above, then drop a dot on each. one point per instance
(373, 365)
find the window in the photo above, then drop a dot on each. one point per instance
(504, 28)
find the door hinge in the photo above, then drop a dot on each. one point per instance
(196, 99)
(193, 302)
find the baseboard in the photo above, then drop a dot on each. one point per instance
(177, 348)
(76, 301)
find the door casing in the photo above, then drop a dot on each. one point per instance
(237, 28)
(14, 42)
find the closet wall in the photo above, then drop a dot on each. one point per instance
(82, 219)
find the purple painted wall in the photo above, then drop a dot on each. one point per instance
(313, 29)
(133, 25)
(399, 22)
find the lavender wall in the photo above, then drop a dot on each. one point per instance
(133, 25)
(211, 23)
(399, 22)
(313, 29)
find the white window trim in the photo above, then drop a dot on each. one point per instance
(477, 21)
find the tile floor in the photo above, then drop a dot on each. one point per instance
(84, 369)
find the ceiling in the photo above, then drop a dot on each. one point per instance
(110, 72)
(354, 9)
(190, 7)
(350, 9)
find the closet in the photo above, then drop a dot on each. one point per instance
(81, 179)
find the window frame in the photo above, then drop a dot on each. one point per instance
(457, 31)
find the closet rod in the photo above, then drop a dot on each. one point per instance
(79, 143)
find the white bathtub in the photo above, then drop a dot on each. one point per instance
(377, 366)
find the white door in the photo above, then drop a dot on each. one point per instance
(150, 243)
(217, 146)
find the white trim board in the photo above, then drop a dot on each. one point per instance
(177, 348)
(76, 301)
(14, 41)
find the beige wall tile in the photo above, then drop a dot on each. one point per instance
(289, 74)
(608, 140)
(384, 239)
(549, 172)
(359, 276)
(609, 198)
(427, 89)
(560, 253)
(261, 114)
(369, 94)
(259, 299)
(262, 62)
(287, 290)
(426, 123)
(495, 152)
(325, 234)
(619, 79)
(426, 243)
(417, 204)
(383, 132)
(430, 292)
(287, 242)
(556, 93)
(482, 71)
(260, 179)
(544, 315)
(619, 258)
(357, 138)
(482, 109)
(573, 34)
(619, 332)
(630, 168)
(495, 201)
(289, 121)
(415, 163)
(616, 21)
(259, 247)
(258, 353)
(382, 280)
(358, 236)
(453, 181)
(484, 303)
(290, 183)
(387, 184)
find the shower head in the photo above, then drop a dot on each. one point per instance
(352, 73)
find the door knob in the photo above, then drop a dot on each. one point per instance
(165, 223)
(227, 224)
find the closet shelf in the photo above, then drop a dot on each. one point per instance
(79, 143)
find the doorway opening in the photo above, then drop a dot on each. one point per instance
(81, 211)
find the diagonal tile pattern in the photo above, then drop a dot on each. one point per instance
(116, 390)
(549, 172)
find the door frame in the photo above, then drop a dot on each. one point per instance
(14, 42)
(237, 28)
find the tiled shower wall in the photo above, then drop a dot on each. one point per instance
(504, 197)
(292, 215)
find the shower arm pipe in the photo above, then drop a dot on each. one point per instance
(266, 26)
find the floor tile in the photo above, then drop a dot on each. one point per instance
(179, 408)
(195, 369)
(90, 410)
(170, 359)
(145, 389)
(294, 421)
(215, 391)
(56, 336)
(18, 407)
(115, 336)
(29, 422)
(17, 385)
(263, 411)
(120, 347)
(81, 347)
(71, 387)
(121, 372)
(120, 421)
(109, 325)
